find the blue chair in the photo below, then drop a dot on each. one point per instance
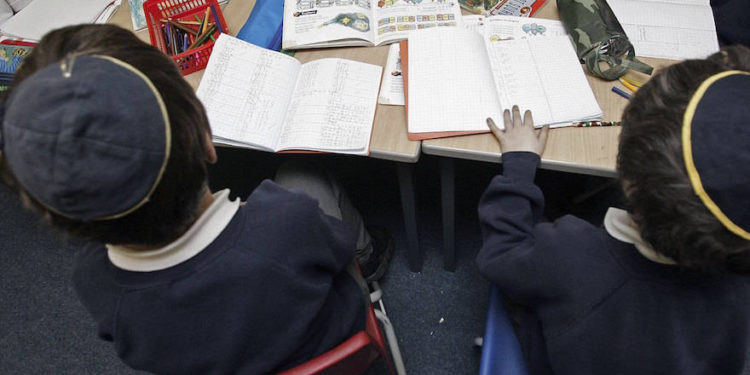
(501, 352)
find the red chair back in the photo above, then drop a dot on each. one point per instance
(353, 356)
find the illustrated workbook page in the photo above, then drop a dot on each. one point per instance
(333, 107)
(450, 82)
(670, 29)
(499, 28)
(246, 91)
(329, 23)
(542, 75)
(395, 19)
(522, 8)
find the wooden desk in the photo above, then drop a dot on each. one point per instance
(581, 150)
(389, 139)
(590, 151)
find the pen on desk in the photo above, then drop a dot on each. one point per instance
(618, 91)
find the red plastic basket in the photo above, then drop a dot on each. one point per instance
(193, 59)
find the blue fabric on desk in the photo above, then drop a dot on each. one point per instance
(263, 27)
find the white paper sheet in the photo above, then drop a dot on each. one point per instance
(668, 29)
(392, 88)
(42, 16)
(246, 90)
(450, 82)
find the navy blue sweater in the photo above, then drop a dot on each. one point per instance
(271, 291)
(598, 306)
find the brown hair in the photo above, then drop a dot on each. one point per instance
(173, 206)
(658, 193)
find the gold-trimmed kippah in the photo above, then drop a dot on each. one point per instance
(716, 148)
(88, 138)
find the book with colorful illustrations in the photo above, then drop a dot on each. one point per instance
(266, 100)
(453, 93)
(12, 54)
(334, 23)
(520, 8)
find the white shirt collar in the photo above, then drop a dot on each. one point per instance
(621, 226)
(204, 231)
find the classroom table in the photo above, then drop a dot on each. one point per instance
(389, 139)
(591, 151)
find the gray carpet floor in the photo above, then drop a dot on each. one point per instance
(436, 314)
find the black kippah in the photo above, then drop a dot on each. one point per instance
(716, 148)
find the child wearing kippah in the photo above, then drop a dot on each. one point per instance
(662, 288)
(103, 136)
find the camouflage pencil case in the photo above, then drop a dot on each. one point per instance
(599, 38)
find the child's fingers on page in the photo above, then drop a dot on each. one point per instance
(493, 127)
(507, 120)
(527, 119)
(516, 116)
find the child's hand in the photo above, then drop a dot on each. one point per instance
(518, 135)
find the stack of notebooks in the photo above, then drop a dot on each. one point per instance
(456, 78)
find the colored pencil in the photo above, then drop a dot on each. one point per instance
(182, 27)
(205, 21)
(202, 38)
(635, 79)
(194, 23)
(619, 91)
(628, 85)
(216, 18)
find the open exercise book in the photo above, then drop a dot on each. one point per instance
(266, 100)
(335, 23)
(456, 78)
(670, 29)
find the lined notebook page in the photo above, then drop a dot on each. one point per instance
(450, 82)
(333, 107)
(676, 30)
(543, 75)
(246, 91)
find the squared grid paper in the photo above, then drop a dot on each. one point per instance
(544, 76)
(450, 82)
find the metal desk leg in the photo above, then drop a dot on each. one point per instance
(448, 193)
(406, 185)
